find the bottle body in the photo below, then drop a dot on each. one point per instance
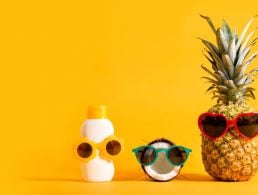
(98, 169)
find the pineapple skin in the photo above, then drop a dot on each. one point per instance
(230, 157)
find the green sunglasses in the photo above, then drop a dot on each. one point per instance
(175, 155)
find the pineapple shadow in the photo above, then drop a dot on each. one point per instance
(194, 177)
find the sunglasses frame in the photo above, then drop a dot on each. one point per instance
(158, 150)
(229, 123)
(99, 146)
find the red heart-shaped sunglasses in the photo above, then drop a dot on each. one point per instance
(214, 125)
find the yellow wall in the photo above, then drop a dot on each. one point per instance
(140, 58)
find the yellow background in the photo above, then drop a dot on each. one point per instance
(140, 58)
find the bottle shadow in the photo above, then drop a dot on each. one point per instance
(52, 179)
(127, 177)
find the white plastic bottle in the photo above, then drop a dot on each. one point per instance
(97, 128)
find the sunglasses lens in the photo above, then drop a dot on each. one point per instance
(146, 155)
(84, 150)
(213, 126)
(177, 155)
(113, 147)
(248, 125)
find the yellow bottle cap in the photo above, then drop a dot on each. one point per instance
(96, 112)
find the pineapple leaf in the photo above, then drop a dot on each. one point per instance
(210, 23)
(216, 96)
(241, 80)
(234, 35)
(239, 71)
(250, 89)
(232, 50)
(220, 97)
(222, 41)
(226, 31)
(229, 65)
(212, 48)
(246, 41)
(253, 42)
(210, 80)
(241, 68)
(242, 86)
(251, 58)
(217, 92)
(249, 81)
(214, 66)
(222, 75)
(243, 33)
(219, 41)
(209, 59)
(251, 93)
(253, 72)
(210, 88)
(230, 84)
(222, 69)
(216, 56)
(222, 88)
(211, 73)
(242, 56)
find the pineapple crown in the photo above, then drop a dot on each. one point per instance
(229, 82)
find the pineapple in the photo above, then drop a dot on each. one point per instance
(230, 157)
